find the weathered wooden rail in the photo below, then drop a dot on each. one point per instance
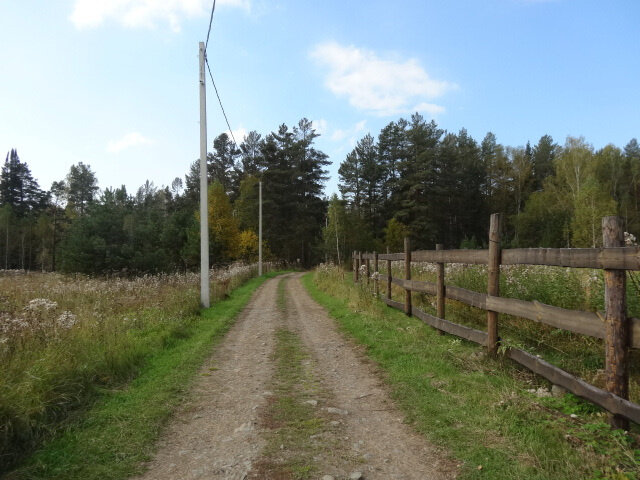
(618, 331)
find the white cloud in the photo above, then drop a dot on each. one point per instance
(132, 139)
(378, 85)
(144, 13)
(320, 126)
(350, 133)
(239, 134)
(430, 108)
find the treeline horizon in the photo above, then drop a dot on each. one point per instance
(414, 179)
(73, 227)
(418, 180)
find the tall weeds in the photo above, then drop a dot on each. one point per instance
(65, 338)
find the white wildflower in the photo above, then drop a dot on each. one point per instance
(629, 239)
(40, 304)
(66, 320)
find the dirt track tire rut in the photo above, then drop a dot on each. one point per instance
(390, 448)
(217, 432)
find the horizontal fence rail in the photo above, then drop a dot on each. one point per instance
(584, 323)
(618, 331)
(615, 258)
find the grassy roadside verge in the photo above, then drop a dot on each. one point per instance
(476, 407)
(118, 431)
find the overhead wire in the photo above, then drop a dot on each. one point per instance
(220, 102)
(213, 8)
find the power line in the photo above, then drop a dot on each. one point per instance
(206, 44)
(220, 101)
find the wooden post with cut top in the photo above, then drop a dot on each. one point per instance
(440, 288)
(368, 264)
(356, 267)
(389, 275)
(376, 282)
(353, 264)
(407, 275)
(493, 287)
(617, 338)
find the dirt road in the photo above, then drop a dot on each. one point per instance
(235, 425)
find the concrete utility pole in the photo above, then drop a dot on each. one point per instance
(204, 214)
(260, 229)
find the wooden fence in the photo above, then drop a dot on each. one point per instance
(618, 331)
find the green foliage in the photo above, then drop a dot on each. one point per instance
(394, 235)
(224, 231)
(246, 206)
(335, 231)
(544, 221)
(592, 203)
(443, 186)
(71, 229)
(293, 208)
(80, 188)
(18, 188)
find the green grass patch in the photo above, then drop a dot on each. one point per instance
(295, 429)
(291, 423)
(570, 288)
(113, 436)
(476, 407)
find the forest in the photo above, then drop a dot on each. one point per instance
(435, 186)
(414, 179)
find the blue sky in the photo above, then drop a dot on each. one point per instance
(114, 83)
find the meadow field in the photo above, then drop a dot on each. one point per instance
(64, 340)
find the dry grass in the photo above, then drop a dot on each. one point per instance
(63, 339)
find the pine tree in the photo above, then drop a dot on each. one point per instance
(251, 153)
(544, 154)
(350, 173)
(309, 175)
(81, 188)
(18, 188)
(392, 152)
(222, 162)
(417, 180)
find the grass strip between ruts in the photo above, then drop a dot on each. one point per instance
(476, 407)
(119, 431)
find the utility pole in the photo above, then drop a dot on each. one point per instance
(204, 217)
(260, 229)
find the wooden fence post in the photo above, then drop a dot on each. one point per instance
(493, 287)
(407, 275)
(616, 324)
(359, 265)
(356, 266)
(353, 265)
(440, 292)
(376, 273)
(368, 264)
(389, 275)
